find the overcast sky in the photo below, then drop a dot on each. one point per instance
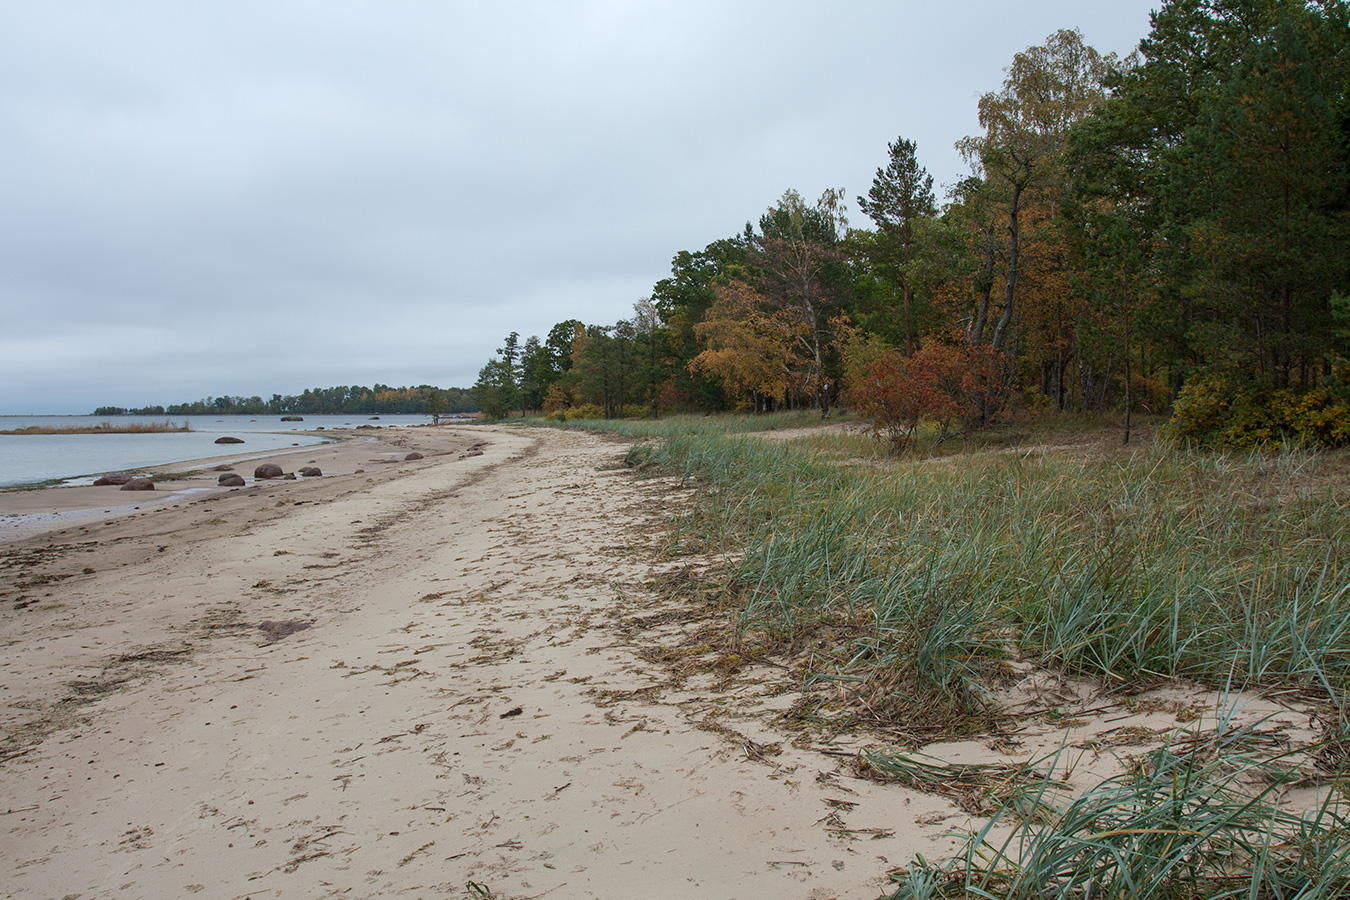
(258, 197)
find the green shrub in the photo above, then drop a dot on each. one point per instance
(586, 411)
(1223, 411)
(1317, 417)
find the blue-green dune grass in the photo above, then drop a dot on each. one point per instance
(1129, 566)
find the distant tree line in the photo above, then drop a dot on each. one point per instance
(1165, 232)
(353, 399)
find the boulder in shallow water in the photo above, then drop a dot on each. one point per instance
(114, 478)
(289, 476)
(268, 470)
(292, 418)
(139, 484)
(231, 480)
(413, 455)
(229, 440)
(310, 472)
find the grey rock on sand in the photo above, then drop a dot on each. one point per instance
(268, 470)
(139, 484)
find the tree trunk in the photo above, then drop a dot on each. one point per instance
(1128, 398)
(975, 335)
(1010, 285)
(909, 328)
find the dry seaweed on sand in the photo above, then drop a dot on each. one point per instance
(977, 788)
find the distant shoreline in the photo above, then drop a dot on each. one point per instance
(28, 510)
(35, 459)
(102, 428)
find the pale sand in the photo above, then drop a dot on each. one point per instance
(161, 745)
(418, 679)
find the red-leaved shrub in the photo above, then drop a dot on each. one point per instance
(940, 383)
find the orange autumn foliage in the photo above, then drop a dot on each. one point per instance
(749, 349)
(939, 383)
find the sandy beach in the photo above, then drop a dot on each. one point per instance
(436, 678)
(406, 682)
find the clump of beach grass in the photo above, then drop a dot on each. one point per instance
(911, 583)
(1202, 819)
(1131, 567)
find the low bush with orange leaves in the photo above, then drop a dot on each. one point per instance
(939, 383)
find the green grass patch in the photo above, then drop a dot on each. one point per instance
(1199, 819)
(1126, 565)
(670, 426)
(906, 583)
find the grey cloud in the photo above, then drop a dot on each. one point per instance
(256, 197)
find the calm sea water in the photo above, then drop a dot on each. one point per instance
(28, 459)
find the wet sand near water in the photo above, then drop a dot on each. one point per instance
(25, 513)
